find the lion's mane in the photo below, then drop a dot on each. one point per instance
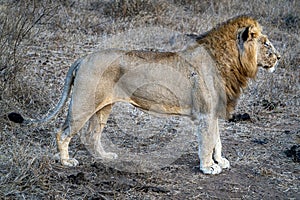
(235, 65)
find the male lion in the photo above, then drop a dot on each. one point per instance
(203, 82)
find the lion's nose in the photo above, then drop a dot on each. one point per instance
(278, 56)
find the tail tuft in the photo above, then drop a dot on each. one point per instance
(15, 117)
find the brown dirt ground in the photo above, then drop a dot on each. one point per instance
(260, 168)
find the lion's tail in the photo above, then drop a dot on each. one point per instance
(17, 118)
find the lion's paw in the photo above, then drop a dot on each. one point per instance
(71, 162)
(224, 163)
(108, 155)
(213, 169)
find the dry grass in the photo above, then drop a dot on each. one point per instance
(39, 41)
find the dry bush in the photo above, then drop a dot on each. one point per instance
(21, 23)
(128, 9)
(17, 22)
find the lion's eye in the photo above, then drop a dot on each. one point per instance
(266, 44)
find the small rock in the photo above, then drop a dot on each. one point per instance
(269, 105)
(240, 117)
(77, 178)
(15, 117)
(294, 153)
(261, 141)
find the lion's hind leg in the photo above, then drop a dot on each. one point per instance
(96, 126)
(72, 125)
(63, 139)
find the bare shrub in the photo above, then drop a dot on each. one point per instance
(20, 23)
(128, 9)
(17, 20)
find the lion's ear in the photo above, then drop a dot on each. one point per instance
(244, 34)
(248, 33)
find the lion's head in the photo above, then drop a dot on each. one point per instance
(239, 48)
(255, 50)
(268, 56)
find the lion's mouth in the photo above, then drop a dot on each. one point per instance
(272, 68)
(267, 67)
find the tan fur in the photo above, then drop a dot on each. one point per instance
(203, 82)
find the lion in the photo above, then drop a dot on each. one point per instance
(203, 81)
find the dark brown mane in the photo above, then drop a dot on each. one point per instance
(235, 67)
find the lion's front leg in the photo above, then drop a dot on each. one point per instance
(207, 137)
(221, 161)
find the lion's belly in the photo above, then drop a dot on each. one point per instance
(161, 99)
(156, 87)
